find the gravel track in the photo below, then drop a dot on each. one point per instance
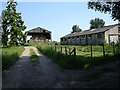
(47, 74)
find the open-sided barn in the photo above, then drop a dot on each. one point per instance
(39, 34)
(107, 34)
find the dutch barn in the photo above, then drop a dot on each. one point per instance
(39, 34)
(107, 34)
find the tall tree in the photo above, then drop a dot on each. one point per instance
(96, 23)
(13, 24)
(75, 28)
(5, 25)
(0, 30)
(112, 7)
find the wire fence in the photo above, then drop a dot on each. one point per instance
(88, 51)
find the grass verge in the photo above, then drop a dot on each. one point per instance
(75, 62)
(10, 56)
(82, 59)
(33, 56)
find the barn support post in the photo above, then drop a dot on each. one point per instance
(79, 40)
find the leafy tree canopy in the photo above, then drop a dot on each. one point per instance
(75, 28)
(12, 24)
(96, 23)
(107, 6)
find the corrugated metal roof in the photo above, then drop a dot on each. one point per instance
(38, 30)
(90, 31)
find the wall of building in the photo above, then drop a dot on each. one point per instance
(95, 39)
(110, 39)
(89, 41)
(78, 40)
(39, 38)
(84, 40)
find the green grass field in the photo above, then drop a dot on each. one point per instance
(85, 50)
(10, 56)
(83, 54)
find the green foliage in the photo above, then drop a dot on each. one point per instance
(112, 8)
(10, 56)
(60, 58)
(13, 25)
(5, 31)
(33, 56)
(76, 28)
(117, 49)
(83, 55)
(96, 23)
(55, 43)
(40, 43)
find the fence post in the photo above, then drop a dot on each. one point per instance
(66, 50)
(61, 49)
(91, 51)
(74, 51)
(113, 50)
(103, 50)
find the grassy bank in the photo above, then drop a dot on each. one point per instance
(83, 55)
(78, 61)
(10, 56)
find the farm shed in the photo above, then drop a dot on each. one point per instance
(107, 34)
(39, 34)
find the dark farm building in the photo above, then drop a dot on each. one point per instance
(107, 34)
(39, 34)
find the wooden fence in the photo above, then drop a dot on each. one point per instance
(72, 51)
(65, 50)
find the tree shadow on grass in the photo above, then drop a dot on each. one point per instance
(96, 60)
(8, 60)
(78, 61)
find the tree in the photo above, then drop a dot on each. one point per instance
(96, 23)
(0, 30)
(12, 24)
(112, 7)
(76, 28)
(4, 30)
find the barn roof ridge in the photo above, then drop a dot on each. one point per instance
(91, 31)
(38, 30)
